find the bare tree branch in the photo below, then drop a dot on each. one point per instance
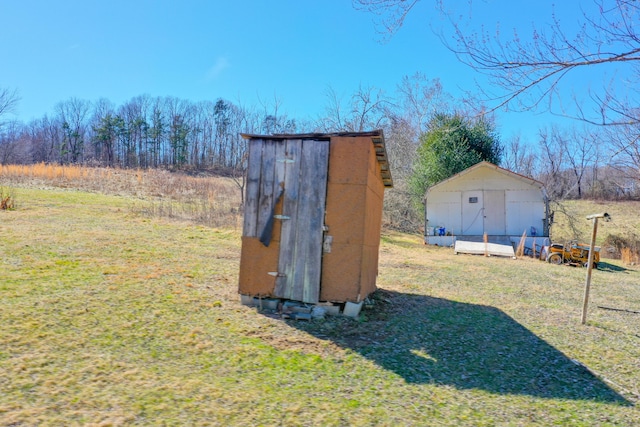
(8, 101)
(391, 13)
(527, 71)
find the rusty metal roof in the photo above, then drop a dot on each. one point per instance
(377, 138)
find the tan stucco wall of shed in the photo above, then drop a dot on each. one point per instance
(256, 280)
(355, 194)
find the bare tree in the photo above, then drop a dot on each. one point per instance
(553, 163)
(36, 139)
(73, 114)
(391, 13)
(368, 105)
(334, 117)
(519, 157)
(582, 154)
(528, 69)
(134, 114)
(625, 156)
(12, 143)
(8, 139)
(8, 102)
(568, 159)
(273, 120)
(536, 69)
(417, 100)
(402, 142)
(420, 98)
(365, 110)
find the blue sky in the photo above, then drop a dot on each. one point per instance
(247, 51)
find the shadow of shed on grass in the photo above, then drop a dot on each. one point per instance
(431, 340)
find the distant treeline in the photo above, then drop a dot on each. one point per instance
(167, 132)
(143, 132)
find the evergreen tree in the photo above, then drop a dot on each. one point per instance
(451, 144)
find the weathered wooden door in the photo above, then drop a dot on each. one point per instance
(301, 170)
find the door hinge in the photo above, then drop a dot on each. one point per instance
(326, 244)
(276, 274)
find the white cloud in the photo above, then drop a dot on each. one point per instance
(220, 65)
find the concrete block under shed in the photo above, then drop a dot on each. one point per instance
(269, 303)
(330, 309)
(247, 300)
(299, 316)
(352, 309)
(263, 303)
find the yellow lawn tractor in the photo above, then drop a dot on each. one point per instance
(572, 253)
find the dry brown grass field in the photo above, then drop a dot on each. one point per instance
(623, 230)
(114, 314)
(154, 192)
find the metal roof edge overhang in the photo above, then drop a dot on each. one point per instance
(492, 166)
(377, 138)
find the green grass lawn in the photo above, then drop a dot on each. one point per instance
(111, 318)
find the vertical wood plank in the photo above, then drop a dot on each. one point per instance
(254, 170)
(285, 283)
(266, 200)
(301, 239)
(302, 230)
(315, 159)
(281, 157)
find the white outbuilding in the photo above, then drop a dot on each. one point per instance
(485, 198)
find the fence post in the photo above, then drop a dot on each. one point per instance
(592, 245)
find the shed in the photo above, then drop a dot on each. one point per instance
(485, 198)
(313, 215)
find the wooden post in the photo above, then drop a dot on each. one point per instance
(592, 245)
(485, 238)
(520, 249)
